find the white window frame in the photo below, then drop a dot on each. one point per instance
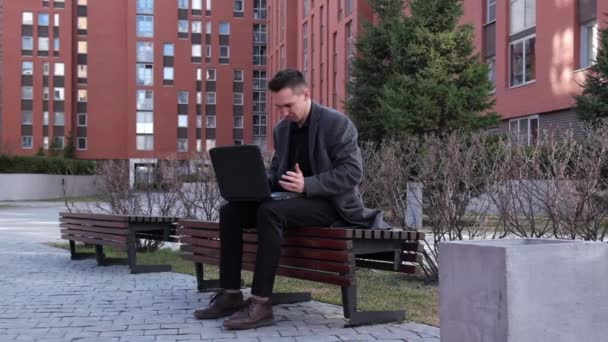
(490, 4)
(182, 26)
(59, 94)
(168, 73)
(180, 97)
(44, 15)
(491, 62)
(82, 95)
(57, 122)
(225, 48)
(197, 26)
(588, 54)
(197, 50)
(512, 30)
(170, 46)
(210, 121)
(27, 117)
(139, 27)
(182, 121)
(238, 121)
(529, 137)
(182, 145)
(144, 74)
(211, 74)
(27, 68)
(148, 102)
(27, 18)
(78, 116)
(58, 69)
(144, 122)
(144, 142)
(242, 2)
(225, 24)
(27, 41)
(238, 98)
(43, 44)
(522, 41)
(211, 97)
(29, 145)
(242, 76)
(197, 5)
(86, 143)
(144, 52)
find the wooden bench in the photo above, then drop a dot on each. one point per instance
(324, 255)
(119, 232)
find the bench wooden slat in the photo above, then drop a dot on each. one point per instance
(97, 223)
(328, 278)
(102, 217)
(199, 224)
(94, 229)
(114, 244)
(413, 246)
(117, 238)
(203, 233)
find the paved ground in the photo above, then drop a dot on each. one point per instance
(46, 297)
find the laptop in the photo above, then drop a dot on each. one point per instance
(241, 175)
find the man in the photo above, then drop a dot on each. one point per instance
(316, 154)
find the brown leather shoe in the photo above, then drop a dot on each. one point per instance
(253, 314)
(222, 304)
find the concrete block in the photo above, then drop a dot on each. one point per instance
(523, 290)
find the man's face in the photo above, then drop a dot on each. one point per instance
(293, 105)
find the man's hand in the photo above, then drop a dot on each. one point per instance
(293, 180)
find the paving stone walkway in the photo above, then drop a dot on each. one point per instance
(46, 297)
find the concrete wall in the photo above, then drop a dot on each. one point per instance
(18, 187)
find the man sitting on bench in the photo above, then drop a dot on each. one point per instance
(316, 153)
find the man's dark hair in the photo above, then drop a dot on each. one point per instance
(287, 78)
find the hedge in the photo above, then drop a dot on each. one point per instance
(45, 165)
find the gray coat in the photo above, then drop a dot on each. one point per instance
(336, 163)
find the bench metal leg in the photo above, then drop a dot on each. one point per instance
(132, 258)
(202, 284)
(356, 318)
(78, 255)
(290, 298)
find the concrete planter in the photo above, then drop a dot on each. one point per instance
(523, 290)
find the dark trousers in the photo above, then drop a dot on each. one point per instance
(269, 218)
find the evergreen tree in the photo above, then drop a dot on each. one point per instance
(592, 104)
(418, 74)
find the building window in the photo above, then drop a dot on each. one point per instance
(81, 143)
(259, 9)
(238, 75)
(182, 4)
(199, 98)
(82, 71)
(523, 15)
(81, 120)
(491, 11)
(211, 98)
(197, 50)
(349, 7)
(199, 74)
(46, 68)
(43, 44)
(306, 7)
(59, 3)
(58, 143)
(197, 27)
(224, 28)
(59, 119)
(259, 55)
(83, 47)
(182, 121)
(199, 121)
(211, 75)
(27, 18)
(182, 145)
(59, 69)
(168, 73)
(238, 121)
(145, 26)
(144, 142)
(525, 130)
(45, 118)
(27, 68)
(27, 142)
(208, 53)
(238, 99)
(239, 6)
(182, 97)
(168, 50)
(208, 6)
(259, 79)
(43, 19)
(45, 143)
(182, 26)
(259, 125)
(145, 100)
(145, 52)
(82, 23)
(59, 94)
(56, 20)
(523, 61)
(197, 5)
(259, 102)
(145, 74)
(27, 93)
(56, 44)
(208, 27)
(210, 143)
(145, 6)
(589, 44)
(224, 51)
(27, 117)
(491, 62)
(199, 145)
(45, 93)
(259, 33)
(27, 43)
(83, 95)
(145, 123)
(210, 121)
